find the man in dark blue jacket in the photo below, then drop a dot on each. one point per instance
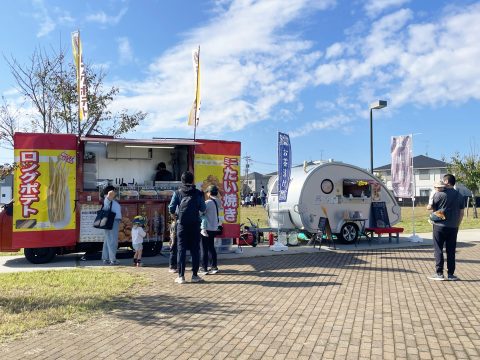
(451, 203)
(187, 203)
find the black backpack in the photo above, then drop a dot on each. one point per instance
(188, 208)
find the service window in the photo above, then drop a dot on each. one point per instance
(356, 188)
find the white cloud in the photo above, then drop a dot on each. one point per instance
(249, 65)
(125, 52)
(332, 122)
(46, 23)
(375, 7)
(102, 18)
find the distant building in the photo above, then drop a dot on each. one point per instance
(6, 188)
(254, 182)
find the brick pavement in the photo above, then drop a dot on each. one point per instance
(372, 304)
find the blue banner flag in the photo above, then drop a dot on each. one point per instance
(284, 165)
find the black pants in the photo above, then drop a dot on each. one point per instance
(208, 246)
(188, 237)
(445, 236)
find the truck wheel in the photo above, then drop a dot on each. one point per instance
(349, 233)
(151, 248)
(40, 255)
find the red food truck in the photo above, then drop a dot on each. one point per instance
(59, 181)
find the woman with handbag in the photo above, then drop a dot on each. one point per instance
(110, 243)
(213, 228)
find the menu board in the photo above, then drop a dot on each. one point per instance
(379, 218)
(87, 232)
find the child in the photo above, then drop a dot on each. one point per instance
(439, 186)
(137, 239)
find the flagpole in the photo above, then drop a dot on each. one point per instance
(414, 237)
(196, 98)
(78, 81)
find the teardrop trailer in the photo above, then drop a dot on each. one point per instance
(340, 192)
(59, 181)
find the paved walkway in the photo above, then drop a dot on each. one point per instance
(348, 304)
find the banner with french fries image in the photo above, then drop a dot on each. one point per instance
(45, 190)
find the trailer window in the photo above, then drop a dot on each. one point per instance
(356, 189)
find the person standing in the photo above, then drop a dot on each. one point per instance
(162, 173)
(137, 239)
(187, 202)
(110, 242)
(208, 242)
(263, 196)
(451, 202)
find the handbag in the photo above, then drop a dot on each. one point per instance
(105, 218)
(438, 216)
(220, 226)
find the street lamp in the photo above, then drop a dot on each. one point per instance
(380, 104)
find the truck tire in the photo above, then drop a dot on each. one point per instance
(40, 255)
(349, 233)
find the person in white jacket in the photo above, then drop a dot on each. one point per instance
(137, 239)
(208, 242)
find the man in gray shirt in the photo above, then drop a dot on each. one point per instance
(445, 231)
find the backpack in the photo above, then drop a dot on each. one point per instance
(188, 208)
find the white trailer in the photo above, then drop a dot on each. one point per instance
(341, 192)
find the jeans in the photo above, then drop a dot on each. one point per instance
(208, 246)
(173, 255)
(110, 243)
(188, 237)
(448, 236)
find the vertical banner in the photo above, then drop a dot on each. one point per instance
(194, 115)
(401, 151)
(81, 80)
(218, 163)
(284, 165)
(44, 192)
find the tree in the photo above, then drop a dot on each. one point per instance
(467, 171)
(9, 124)
(48, 82)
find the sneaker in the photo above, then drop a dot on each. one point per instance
(106, 262)
(452, 278)
(213, 270)
(203, 271)
(196, 279)
(114, 263)
(173, 271)
(139, 263)
(180, 280)
(438, 277)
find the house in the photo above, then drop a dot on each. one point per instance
(426, 171)
(254, 182)
(6, 187)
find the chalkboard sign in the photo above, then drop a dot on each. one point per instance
(379, 215)
(322, 224)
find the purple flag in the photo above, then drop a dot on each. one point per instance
(401, 150)
(284, 165)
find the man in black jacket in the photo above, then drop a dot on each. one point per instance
(451, 202)
(187, 203)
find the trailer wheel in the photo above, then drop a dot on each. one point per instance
(349, 233)
(151, 248)
(40, 255)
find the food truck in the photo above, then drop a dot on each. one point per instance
(59, 181)
(342, 193)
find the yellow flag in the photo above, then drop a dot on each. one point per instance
(194, 115)
(81, 81)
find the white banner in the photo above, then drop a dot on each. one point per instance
(402, 175)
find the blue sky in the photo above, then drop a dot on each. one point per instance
(309, 68)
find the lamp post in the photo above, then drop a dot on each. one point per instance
(380, 104)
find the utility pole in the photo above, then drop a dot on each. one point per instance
(247, 166)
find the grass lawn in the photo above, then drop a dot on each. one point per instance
(421, 216)
(33, 300)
